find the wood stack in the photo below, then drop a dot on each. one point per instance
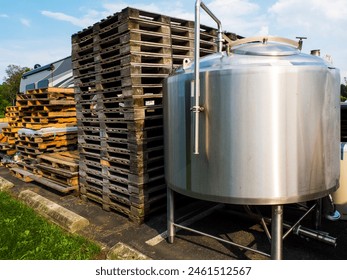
(42, 110)
(119, 65)
(32, 143)
(60, 170)
(49, 127)
(47, 107)
(9, 135)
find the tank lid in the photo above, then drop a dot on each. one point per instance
(265, 49)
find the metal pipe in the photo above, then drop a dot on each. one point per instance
(259, 217)
(300, 230)
(196, 76)
(196, 108)
(298, 222)
(268, 235)
(323, 237)
(223, 240)
(329, 204)
(170, 216)
(219, 40)
(277, 232)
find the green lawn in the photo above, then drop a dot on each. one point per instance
(26, 236)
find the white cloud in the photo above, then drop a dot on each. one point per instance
(88, 19)
(264, 30)
(310, 14)
(233, 7)
(117, 7)
(235, 16)
(323, 21)
(25, 22)
(333, 10)
(3, 16)
(32, 52)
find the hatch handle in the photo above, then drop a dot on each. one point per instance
(265, 39)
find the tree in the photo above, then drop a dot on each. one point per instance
(12, 81)
(3, 101)
(343, 93)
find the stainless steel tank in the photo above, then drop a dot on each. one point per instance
(267, 126)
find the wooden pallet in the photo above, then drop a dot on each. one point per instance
(54, 185)
(60, 169)
(27, 176)
(67, 161)
(58, 90)
(37, 126)
(59, 176)
(3, 138)
(22, 174)
(10, 134)
(47, 137)
(27, 166)
(47, 145)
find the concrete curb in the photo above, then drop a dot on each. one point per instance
(121, 251)
(59, 215)
(5, 185)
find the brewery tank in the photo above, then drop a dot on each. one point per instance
(267, 126)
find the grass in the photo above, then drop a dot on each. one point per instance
(26, 236)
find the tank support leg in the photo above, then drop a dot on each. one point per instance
(170, 215)
(318, 215)
(277, 232)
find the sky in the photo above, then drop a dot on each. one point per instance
(39, 31)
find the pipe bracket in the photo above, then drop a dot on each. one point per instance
(197, 109)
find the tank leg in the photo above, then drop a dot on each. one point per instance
(277, 232)
(329, 209)
(170, 215)
(318, 215)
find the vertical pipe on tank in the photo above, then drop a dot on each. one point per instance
(197, 76)
(277, 232)
(196, 108)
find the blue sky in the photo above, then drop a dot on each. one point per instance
(39, 31)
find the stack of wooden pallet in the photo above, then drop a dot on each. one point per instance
(58, 171)
(49, 128)
(9, 135)
(47, 107)
(32, 143)
(44, 112)
(119, 65)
